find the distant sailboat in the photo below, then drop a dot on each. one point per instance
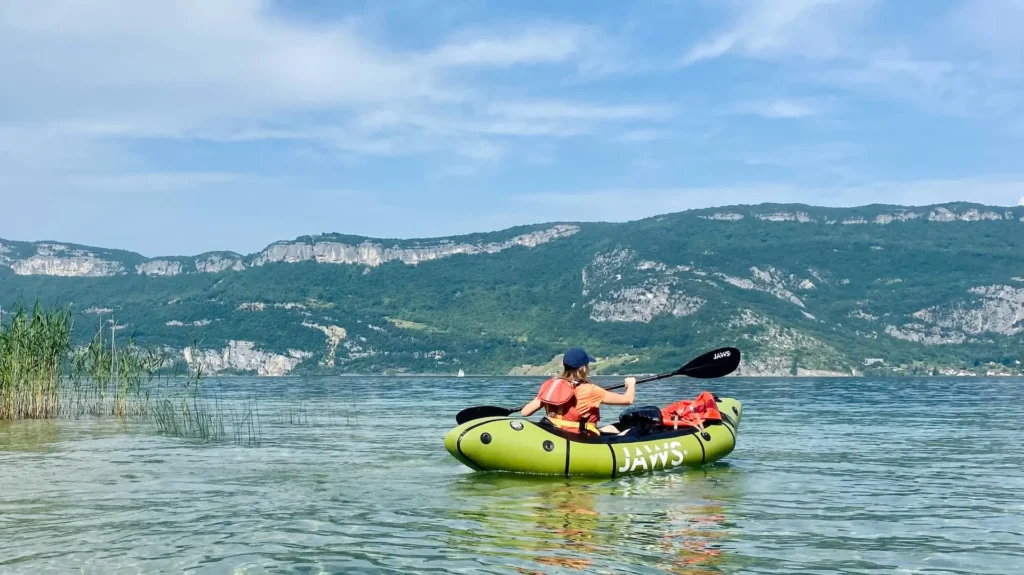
(462, 373)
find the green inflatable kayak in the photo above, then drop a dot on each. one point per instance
(524, 446)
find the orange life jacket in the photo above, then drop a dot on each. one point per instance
(693, 413)
(558, 397)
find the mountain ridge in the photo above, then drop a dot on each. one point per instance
(881, 289)
(342, 237)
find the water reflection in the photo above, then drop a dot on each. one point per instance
(673, 522)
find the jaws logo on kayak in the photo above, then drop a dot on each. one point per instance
(656, 456)
(722, 354)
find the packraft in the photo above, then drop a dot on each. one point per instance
(683, 434)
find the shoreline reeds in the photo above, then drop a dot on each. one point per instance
(33, 352)
(43, 376)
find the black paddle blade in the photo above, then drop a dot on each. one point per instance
(472, 413)
(716, 363)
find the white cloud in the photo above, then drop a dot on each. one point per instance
(765, 28)
(970, 66)
(535, 45)
(191, 62)
(778, 109)
(930, 85)
(237, 70)
(86, 84)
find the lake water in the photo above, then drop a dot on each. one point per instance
(828, 476)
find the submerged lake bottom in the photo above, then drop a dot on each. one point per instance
(347, 475)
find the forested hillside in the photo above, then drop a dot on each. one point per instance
(800, 289)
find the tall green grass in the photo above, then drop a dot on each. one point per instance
(107, 380)
(43, 377)
(33, 352)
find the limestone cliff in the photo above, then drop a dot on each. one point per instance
(242, 356)
(997, 309)
(61, 260)
(374, 254)
(159, 268)
(652, 289)
(214, 264)
(334, 335)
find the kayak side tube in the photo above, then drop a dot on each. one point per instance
(524, 446)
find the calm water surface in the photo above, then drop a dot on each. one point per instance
(829, 476)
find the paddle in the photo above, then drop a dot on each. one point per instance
(716, 363)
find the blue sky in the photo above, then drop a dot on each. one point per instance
(180, 127)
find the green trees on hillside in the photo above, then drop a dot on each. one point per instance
(491, 312)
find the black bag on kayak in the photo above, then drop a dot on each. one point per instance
(640, 419)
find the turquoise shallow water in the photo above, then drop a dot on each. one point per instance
(829, 476)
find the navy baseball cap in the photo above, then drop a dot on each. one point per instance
(576, 358)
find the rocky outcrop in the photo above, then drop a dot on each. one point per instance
(334, 336)
(373, 254)
(971, 215)
(861, 314)
(261, 306)
(999, 309)
(356, 351)
(770, 280)
(242, 356)
(60, 260)
(777, 346)
(607, 267)
(216, 263)
(884, 219)
(801, 217)
(653, 289)
(928, 335)
(66, 267)
(643, 303)
(727, 217)
(159, 268)
(196, 323)
(941, 215)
